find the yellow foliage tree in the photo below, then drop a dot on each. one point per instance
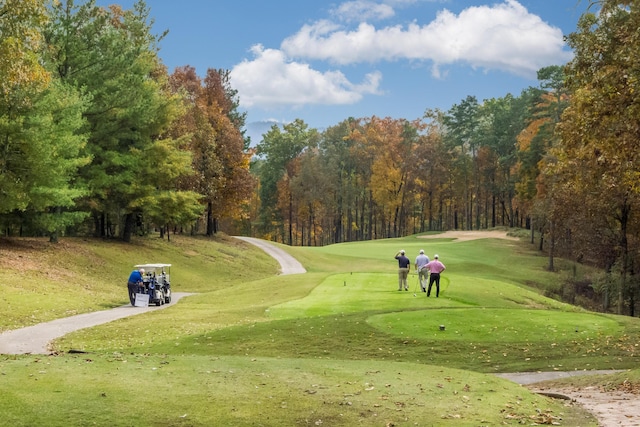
(21, 68)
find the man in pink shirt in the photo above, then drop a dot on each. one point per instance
(435, 268)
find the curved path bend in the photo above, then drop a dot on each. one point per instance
(288, 264)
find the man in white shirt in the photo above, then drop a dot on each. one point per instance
(423, 273)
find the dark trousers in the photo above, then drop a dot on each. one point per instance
(434, 277)
(133, 290)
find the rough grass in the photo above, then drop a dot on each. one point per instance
(241, 391)
(336, 346)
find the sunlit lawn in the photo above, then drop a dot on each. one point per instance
(339, 345)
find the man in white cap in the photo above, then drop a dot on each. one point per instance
(435, 268)
(423, 273)
(404, 265)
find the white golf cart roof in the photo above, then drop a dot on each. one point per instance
(151, 266)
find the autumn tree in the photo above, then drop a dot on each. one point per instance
(533, 144)
(433, 167)
(345, 189)
(308, 189)
(462, 123)
(279, 147)
(387, 145)
(213, 128)
(234, 183)
(364, 154)
(199, 137)
(598, 157)
(504, 119)
(21, 47)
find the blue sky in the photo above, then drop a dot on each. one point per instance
(325, 61)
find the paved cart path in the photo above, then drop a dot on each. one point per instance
(288, 264)
(35, 339)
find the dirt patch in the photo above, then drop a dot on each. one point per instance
(612, 404)
(611, 408)
(463, 236)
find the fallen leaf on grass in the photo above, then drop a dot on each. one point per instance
(452, 416)
(546, 419)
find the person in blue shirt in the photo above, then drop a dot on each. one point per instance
(133, 284)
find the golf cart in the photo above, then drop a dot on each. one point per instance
(156, 283)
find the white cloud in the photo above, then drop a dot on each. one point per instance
(369, 10)
(503, 36)
(362, 10)
(270, 79)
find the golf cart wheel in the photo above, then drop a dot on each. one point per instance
(167, 300)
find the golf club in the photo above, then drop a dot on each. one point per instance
(446, 282)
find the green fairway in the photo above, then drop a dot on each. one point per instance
(339, 345)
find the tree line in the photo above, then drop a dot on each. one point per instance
(96, 137)
(474, 166)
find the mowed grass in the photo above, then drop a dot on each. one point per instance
(171, 390)
(338, 345)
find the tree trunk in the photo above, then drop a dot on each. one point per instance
(127, 230)
(532, 232)
(210, 225)
(290, 219)
(371, 218)
(552, 238)
(624, 245)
